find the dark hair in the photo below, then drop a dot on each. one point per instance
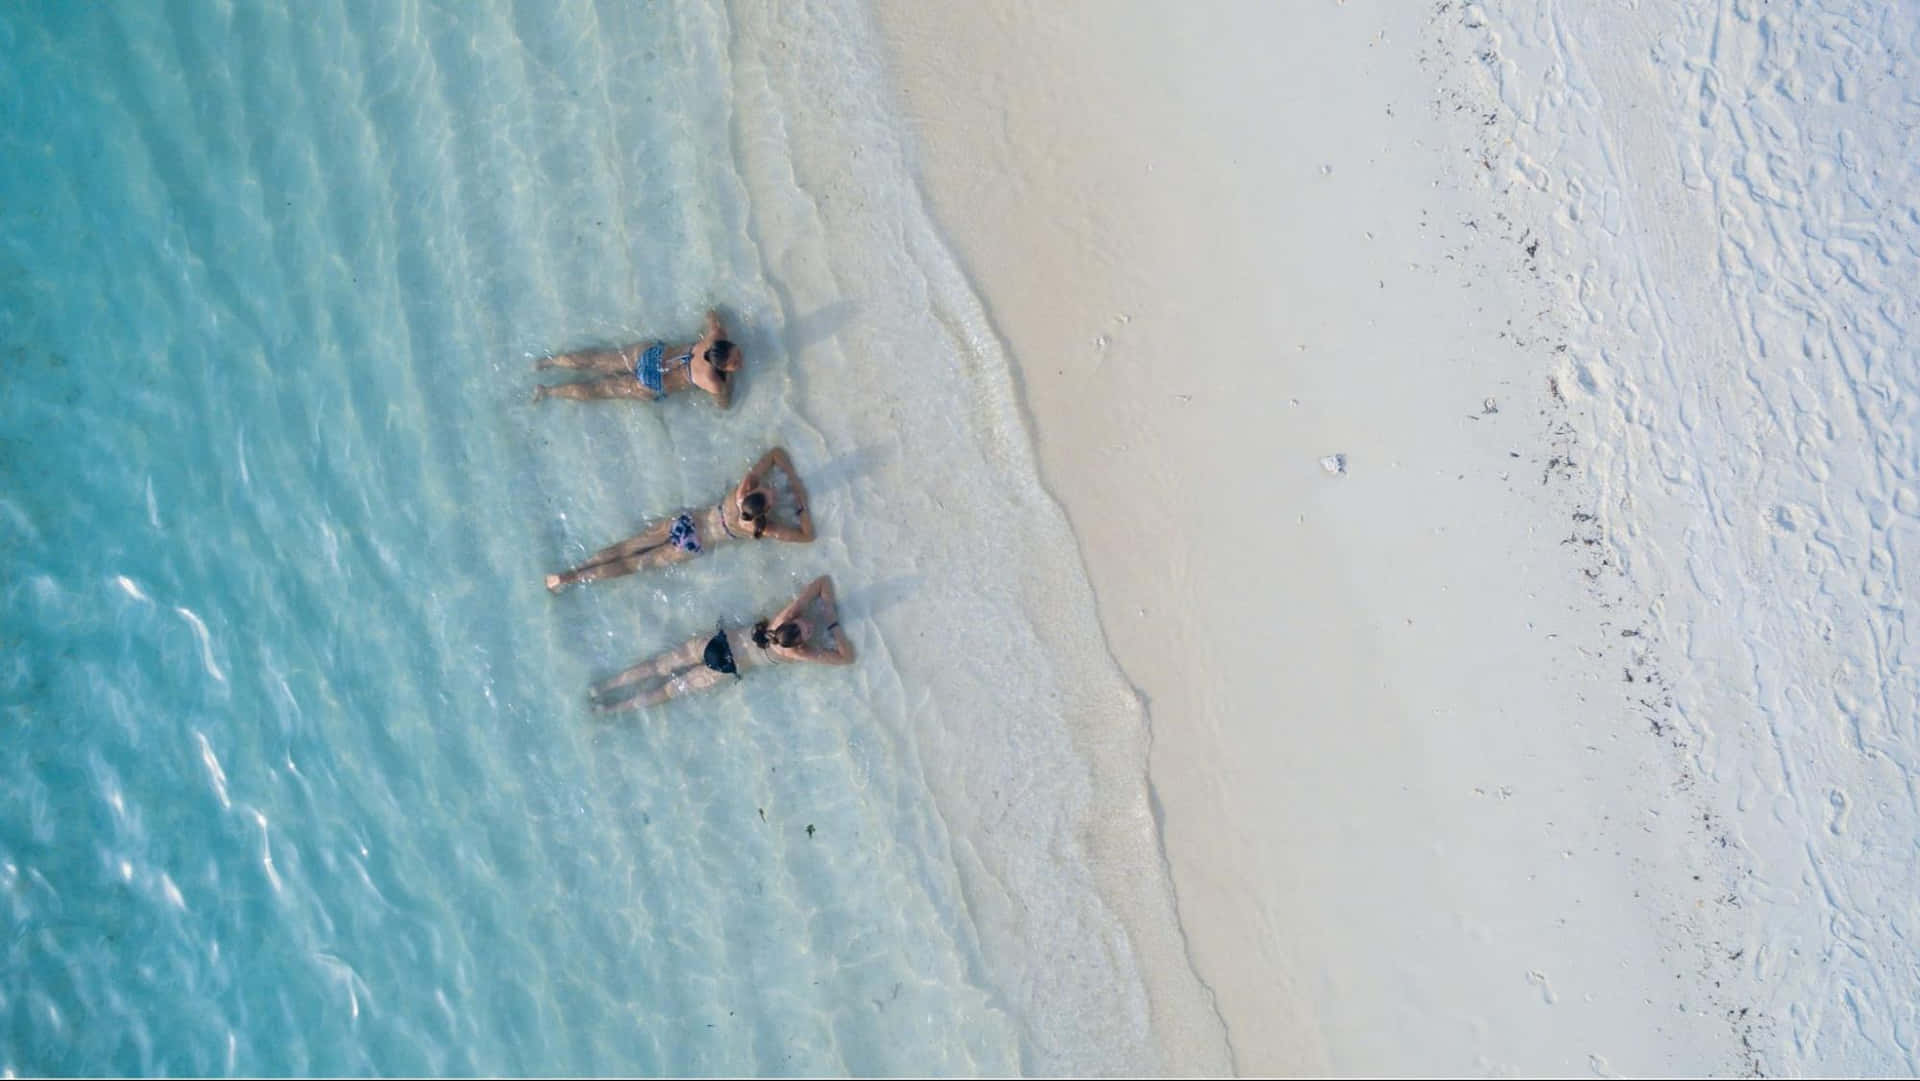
(787, 635)
(754, 509)
(719, 351)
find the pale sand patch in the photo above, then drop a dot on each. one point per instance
(1413, 821)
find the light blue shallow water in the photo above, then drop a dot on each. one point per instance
(296, 774)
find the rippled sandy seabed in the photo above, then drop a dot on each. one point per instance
(298, 776)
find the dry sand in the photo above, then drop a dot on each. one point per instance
(1414, 817)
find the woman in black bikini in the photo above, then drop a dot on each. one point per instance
(649, 370)
(746, 512)
(704, 662)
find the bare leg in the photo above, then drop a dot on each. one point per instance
(606, 559)
(685, 656)
(652, 668)
(616, 707)
(595, 572)
(686, 683)
(601, 361)
(651, 537)
(612, 386)
(658, 556)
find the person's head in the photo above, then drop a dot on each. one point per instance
(755, 506)
(787, 635)
(724, 356)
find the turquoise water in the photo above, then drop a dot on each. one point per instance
(297, 774)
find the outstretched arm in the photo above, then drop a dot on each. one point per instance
(756, 477)
(819, 587)
(793, 534)
(758, 472)
(802, 533)
(840, 652)
(714, 330)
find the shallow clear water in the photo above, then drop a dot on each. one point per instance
(297, 774)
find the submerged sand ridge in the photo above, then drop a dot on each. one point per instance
(1458, 762)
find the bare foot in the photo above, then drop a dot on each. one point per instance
(539, 393)
(555, 583)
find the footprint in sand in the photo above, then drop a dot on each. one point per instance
(1539, 979)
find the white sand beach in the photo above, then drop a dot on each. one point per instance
(1300, 296)
(1377, 537)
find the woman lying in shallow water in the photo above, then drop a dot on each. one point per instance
(786, 638)
(649, 370)
(746, 512)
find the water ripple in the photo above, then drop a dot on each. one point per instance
(298, 779)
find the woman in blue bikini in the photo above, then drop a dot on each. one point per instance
(649, 370)
(807, 629)
(745, 513)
